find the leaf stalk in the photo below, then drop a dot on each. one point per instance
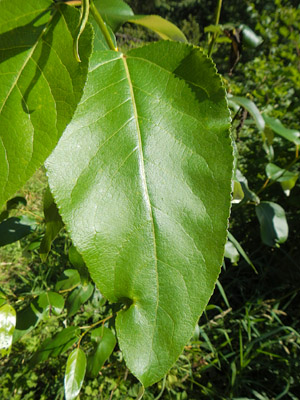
(102, 26)
(216, 34)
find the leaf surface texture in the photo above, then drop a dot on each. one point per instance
(40, 84)
(147, 200)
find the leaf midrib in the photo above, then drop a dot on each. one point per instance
(144, 180)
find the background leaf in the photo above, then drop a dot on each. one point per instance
(78, 297)
(290, 134)
(40, 84)
(273, 224)
(117, 12)
(53, 224)
(251, 108)
(105, 342)
(75, 371)
(7, 326)
(57, 345)
(15, 228)
(148, 202)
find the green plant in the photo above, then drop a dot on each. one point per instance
(141, 177)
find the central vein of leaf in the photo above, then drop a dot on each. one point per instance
(142, 169)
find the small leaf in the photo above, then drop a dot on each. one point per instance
(15, 228)
(116, 12)
(292, 135)
(289, 184)
(251, 108)
(249, 195)
(273, 223)
(51, 302)
(77, 261)
(278, 174)
(75, 371)
(237, 192)
(105, 343)
(78, 297)
(7, 327)
(53, 224)
(55, 346)
(165, 29)
(231, 252)
(69, 279)
(250, 38)
(286, 178)
(31, 315)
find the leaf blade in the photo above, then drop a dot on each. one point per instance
(41, 84)
(133, 207)
(75, 371)
(7, 327)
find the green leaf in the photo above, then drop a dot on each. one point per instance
(78, 297)
(231, 252)
(105, 342)
(237, 192)
(44, 305)
(7, 327)
(250, 38)
(40, 84)
(273, 224)
(251, 108)
(53, 224)
(148, 202)
(15, 228)
(69, 279)
(116, 12)
(290, 134)
(165, 29)
(286, 178)
(77, 261)
(249, 195)
(51, 302)
(75, 371)
(55, 346)
(278, 174)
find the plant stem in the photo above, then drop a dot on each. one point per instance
(102, 321)
(102, 26)
(215, 36)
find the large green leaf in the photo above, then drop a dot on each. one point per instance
(40, 84)
(7, 327)
(148, 200)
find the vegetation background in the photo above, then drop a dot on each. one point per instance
(247, 342)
